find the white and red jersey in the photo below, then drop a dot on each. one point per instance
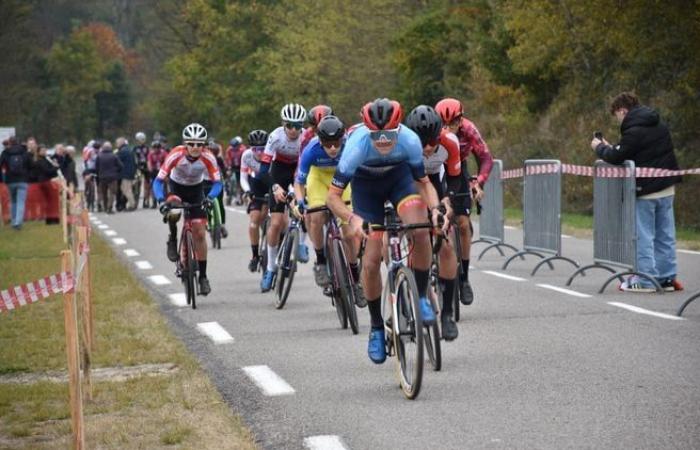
(447, 153)
(189, 173)
(280, 148)
(249, 164)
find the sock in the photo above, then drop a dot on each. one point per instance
(465, 269)
(448, 292)
(202, 268)
(255, 249)
(421, 281)
(173, 231)
(272, 258)
(320, 256)
(355, 271)
(375, 312)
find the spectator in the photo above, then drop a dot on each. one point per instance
(141, 150)
(45, 170)
(108, 167)
(16, 161)
(67, 166)
(156, 158)
(128, 172)
(90, 153)
(647, 141)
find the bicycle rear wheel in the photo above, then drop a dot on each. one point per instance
(286, 267)
(408, 333)
(344, 278)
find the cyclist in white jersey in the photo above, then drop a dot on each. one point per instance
(254, 189)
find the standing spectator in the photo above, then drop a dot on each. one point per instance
(128, 172)
(108, 167)
(90, 153)
(16, 161)
(156, 158)
(141, 154)
(66, 165)
(647, 141)
(45, 170)
(32, 146)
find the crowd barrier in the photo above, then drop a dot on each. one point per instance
(36, 206)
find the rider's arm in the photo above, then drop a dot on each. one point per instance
(427, 192)
(212, 166)
(302, 173)
(245, 184)
(159, 189)
(481, 153)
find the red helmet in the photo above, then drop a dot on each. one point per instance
(173, 200)
(317, 113)
(449, 109)
(382, 114)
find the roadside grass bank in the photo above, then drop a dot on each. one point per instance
(178, 407)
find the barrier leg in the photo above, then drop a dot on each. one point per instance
(498, 246)
(656, 284)
(549, 262)
(582, 270)
(521, 256)
(688, 302)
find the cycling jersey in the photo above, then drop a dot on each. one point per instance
(233, 156)
(156, 158)
(314, 155)
(470, 141)
(186, 172)
(141, 153)
(447, 152)
(249, 164)
(306, 136)
(282, 149)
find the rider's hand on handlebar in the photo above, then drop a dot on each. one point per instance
(357, 227)
(301, 207)
(477, 192)
(438, 218)
(164, 208)
(207, 203)
(449, 212)
(279, 193)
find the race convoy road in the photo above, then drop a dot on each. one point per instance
(535, 365)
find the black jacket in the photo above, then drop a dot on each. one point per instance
(646, 141)
(108, 166)
(23, 163)
(67, 166)
(44, 170)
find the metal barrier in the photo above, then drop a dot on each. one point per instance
(491, 221)
(614, 223)
(542, 213)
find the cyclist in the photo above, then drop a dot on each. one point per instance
(313, 117)
(440, 149)
(470, 141)
(280, 160)
(184, 168)
(141, 151)
(254, 189)
(384, 160)
(234, 153)
(215, 150)
(314, 175)
(156, 158)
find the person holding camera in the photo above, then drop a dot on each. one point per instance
(646, 140)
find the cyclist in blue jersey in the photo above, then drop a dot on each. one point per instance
(384, 162)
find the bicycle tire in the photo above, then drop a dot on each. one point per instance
(262, 247)
(432, 332)
(287, 267)
(336, 280)
(458, 295)
(190, 274)
(346, 288)
(408, 332)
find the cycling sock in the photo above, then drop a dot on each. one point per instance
(448, 292)
(421, 281)
(202, 268)
(375, 312)
(465, 269)
(320, 256)
(255, 249)
(355, 271)
(271, 257)
(173, 231)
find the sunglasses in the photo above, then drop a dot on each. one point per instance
(293, 125)
(195, 144)
(331, 144)
(384, 136)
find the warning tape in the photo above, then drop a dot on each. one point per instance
(601, 172)
(15, 297)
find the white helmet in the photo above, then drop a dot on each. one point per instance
(140, 137)
(194, 132)
(293, 112)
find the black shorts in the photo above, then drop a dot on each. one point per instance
(258, 189)
(462, 205)
(190, 194)
(282, 174)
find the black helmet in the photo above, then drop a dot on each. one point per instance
(426, 122)
(317, 113)
(330, 128)
(257, 138)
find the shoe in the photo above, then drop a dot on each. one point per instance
(426, 311)
(466, 295)
(172, 250)
(636, 286)
(376, 347)
(224, 232)
(267, 279)
(671, 285)
(204, 288)
(303, 253)
(321, 275)
(154, 206)
(360, 300)
(253, 264)
(449, 328)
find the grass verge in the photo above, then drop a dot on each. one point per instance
(181, 409)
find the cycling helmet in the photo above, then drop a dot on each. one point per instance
(156, 144)
(426, 122)
(382, 114)
(317, 113)
(194, 132)
(449, 109)
(235, 142)
(211, 143)
(257, 138)
(293, 112)
(330, 128)
(140, 137)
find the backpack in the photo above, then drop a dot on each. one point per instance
(15, 164)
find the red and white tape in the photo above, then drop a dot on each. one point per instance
(601, 172)
(25, 294)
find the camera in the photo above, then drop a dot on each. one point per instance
(598, 135)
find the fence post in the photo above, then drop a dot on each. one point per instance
(87, 314)
(71, 326)
(64, 212)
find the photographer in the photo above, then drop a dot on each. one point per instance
(647, 141)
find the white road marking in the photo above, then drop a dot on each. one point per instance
(268, 381)
(566, 236)
(503, 275)
(159, 280)
(327, 442)
(215, 332)
(143, 265)
(690, 252)
(564, 291)
(644, 311)
(103, 226)
(178, 299)
(236, 210)
(508, 227)
(110, 233)
(119, 241)
(131, 252)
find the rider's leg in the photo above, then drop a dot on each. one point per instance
(254, 231)
(277, 223)
(316, 234)
(372, 278)
(447, 276)
(199, 235)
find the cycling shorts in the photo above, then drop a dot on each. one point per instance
(190, 194)
(317, 184)
(462, 206)
(370, 194)
(282, 174)
(258, 189)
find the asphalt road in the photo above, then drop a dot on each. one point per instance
(533, 367)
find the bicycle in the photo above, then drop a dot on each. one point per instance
(287, 256)
(90, 191)
(341, 289)
(458, 254)
(136, 187)
(214, 224)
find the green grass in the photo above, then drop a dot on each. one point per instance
(145, 412)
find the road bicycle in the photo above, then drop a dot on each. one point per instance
(287, 256)
(342, 292)
(214, 223)
(436, 297)
(457, 239)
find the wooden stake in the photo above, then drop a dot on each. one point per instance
(72, 351)
(64, 212)
(86, 303)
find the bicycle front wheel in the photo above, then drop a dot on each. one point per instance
(408, 332)
(287, 267)
(337, 282)
(458, 252)
(191, 270)
(432, 333)
(262, 247)
(347, 292)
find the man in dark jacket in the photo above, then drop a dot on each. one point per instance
(16, 162)
(128, 172)
(108, 168)
(67, 166)
(647, 141)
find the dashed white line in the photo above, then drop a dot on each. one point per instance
(564, 291)
(503, 275)
(110, 233)
(326, 442)
(178, 299)
(690, 252)
(644, 311)
(143, 265)
(119, 241)
(102, 226)
(215, 332)
(566, 236)
(159, 280)
(131, 252)
(268, 381)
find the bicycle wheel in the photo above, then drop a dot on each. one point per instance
(408, 332)
(216, 222)
(286, 267)
(190, 270)
(262, 247)
(346, 289)
(457, 296)
(336, 280)
(432, 333)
